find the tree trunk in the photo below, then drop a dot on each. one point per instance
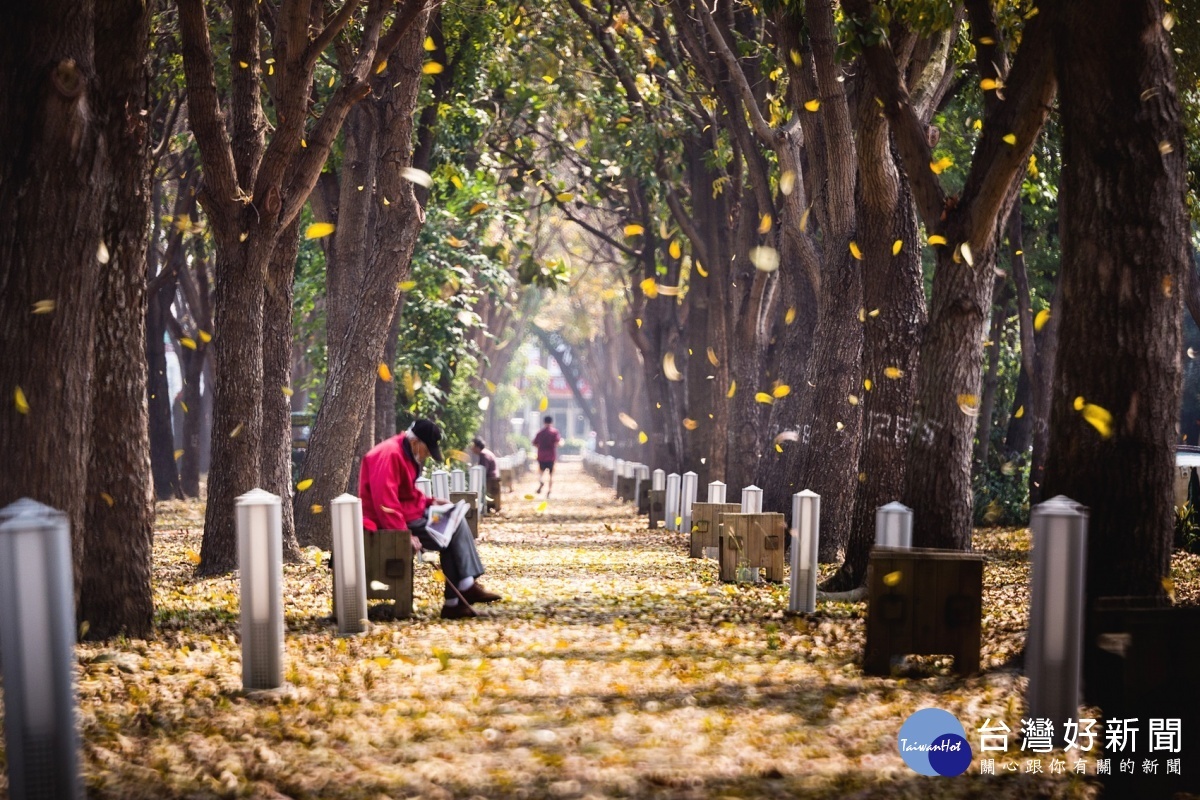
(53, 183)
(277, 475)
(115, 595)
(350, 383)
(163, 466)
(385, 391)
(1019, 436)
(991, 382)
(1124, 260)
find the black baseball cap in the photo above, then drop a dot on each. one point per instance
(431, 435)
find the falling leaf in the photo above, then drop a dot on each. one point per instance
(642, 437)
(1169, 586)
(639, 322)
(475, 209)
(381, 66)
(491, 387)
(385, 374)
(778, 448)
(787, 182)
(429, 44)
(19, 400)
(379, 586)
(1168, 21)
(528, 497)
(628, 421)
(669, 368)
(893, 372)
(287, 391)
(854, 251)
(417, 176)
(764, 258)
(43, 306)
(1009, 138)
(940, 166)
(1020, 412)
(678, 521)
(839, 426)
(892, 578)
(897, 246)
(649, 288)
(986, 40)
(732, 389)
(1099, 418)
(690, 424)
(205, 336)
(937, 239)
(813, 105)
(674, 249)
(968, 404)
(712, 358)
(178, 454)
(804, 219)
(790, 316)
(701, 270)
(634, 230)
(1168, 285)
(1079, 403)
(564, 197)
(304, 484)
(188, 342)
(764, 223)
(853, 399)
(763, 397)
(244, 64)
(990, 84)
(193, 556)
(233, 434)
(406, 286)
(1041, 319)
(787, 436)
(484, 402)
(544, 403)
(108, 499)
(782, 390)
(318, 230)
(669, 291)
(432, 68)
(1165, 147)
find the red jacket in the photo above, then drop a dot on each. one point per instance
(547, 440)
(387, 486)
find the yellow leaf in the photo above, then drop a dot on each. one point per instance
(1099, 418)
(764, 224)
(1079, 403)
(439, 576)
(316, 508)
(867, 384)
(564, 197)
(639, 322)
(986, 40)
(804, 219)
(839, 426)
(528, 497)
(627, 421)
(763, 397)
(765, 259)
(893, 372)
(782, 390)
(853, 399)
(1020, 412)
(813, 105)
(650, 288)
(304, 484)
(965, 249)
(690, 424)
(1169, 586)
(417, 176)
(543, 404)
(457, 181)
(405, 286)
(193, 556)
(634, 230)
(287, 391)
(205, 337)
(491, 387)
(700, 269)
(939, 166)
(897, 246)
(1041, 319)
(892, 578)
(542, 506)
(188, 342)
(385, 374)
(548, 78)
(790, 316)
(873, 313)
(854, 251)
(429, 44)
(990, 84)
(43, 306)
(674, 249)
(458, 455)
(1010, 138)
(937, 239)
(107, 498)
(642, 437)
(432, 68)
(178, 454)
(778, 448)
(678, 521)
(318, 230)
(455, 242)
(381, 66)
(968, 404)
(243, 65)
(787, 182)
(233, 434)
(183, 405)
(475, 209)
(303, 143)
(669, 368)
(712, 358)
(732, 389)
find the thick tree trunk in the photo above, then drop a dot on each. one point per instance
(163, 466)
(53, 184)
(192, 367)
(1124, 262)
(385, 391)
(277, 475)
(1019, 435)
(115, 594)
(991, 382)
(1047, 351)
(350, 384)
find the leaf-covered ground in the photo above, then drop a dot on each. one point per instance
(615, 667)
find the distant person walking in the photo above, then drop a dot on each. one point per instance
(487, 460)
(547, 441)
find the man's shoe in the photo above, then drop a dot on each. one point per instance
(540, 485)
(459, 611)
(478, 594)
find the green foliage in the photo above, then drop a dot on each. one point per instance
(1002, 492)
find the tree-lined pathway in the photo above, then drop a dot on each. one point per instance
(615, 667)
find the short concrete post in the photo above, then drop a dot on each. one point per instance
(260, 564)
(37, 652)
(349, 562)
(478, 484)
(671, 511)
(716, 492)
(458, 481)
(424, 486)
(687, 497)
(441, 484)
(1054, 647)
(618, 468)
(641, 475)
(806, 526)
(658, 480)
(893, 525)
(752, 500)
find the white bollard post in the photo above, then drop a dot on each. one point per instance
(349, 565)
(671, 506)
(424, 486)
(641, 474)
(478, 485)
(687, 496)
(716, 492)
(37, 652)
(260, 563)
(440, 480)
(658, 481)
(1054, 654)
(806, 527)
(752, 500)
(893, 525)
(618, 470)
(458, 481)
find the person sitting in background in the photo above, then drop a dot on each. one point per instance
(392, 501)
(487, 460)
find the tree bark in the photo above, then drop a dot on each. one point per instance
(115, 595)
(991, 382)
(1124, 265)
(53, 183)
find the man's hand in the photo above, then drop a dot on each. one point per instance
(416, 543)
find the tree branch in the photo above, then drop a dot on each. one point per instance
(329, 33)
(765, 132)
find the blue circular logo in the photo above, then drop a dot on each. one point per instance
(933, 742)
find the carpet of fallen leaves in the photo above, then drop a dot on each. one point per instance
(614, 667)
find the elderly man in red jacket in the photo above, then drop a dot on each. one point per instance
(392, 501)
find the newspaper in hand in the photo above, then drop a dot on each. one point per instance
(444, 520)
